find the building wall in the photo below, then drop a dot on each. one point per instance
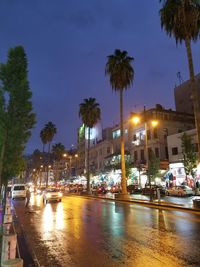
(182, 94)
(175, 145)
(169, 122)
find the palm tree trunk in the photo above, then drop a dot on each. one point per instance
(123, 176)
(88, 162)
(195, 95)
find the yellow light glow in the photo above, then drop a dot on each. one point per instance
(76, 156)
(65, 155)
(154, 123)
(135, 120)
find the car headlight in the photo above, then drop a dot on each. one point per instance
(60, 194)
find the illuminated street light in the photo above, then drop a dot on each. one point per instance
(154, 123)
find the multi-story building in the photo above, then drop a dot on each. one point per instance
(167, 122)
(176, 167)
(183, 96)
(100, 146)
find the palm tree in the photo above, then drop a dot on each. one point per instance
(90, 113)
(58, 150)
(43, 138)
(181, 19)
(49, 131)
(121, 73)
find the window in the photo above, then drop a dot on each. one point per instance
(157, 152)
(108, 150)
(142, 154)
(134, 137)
(149, 152)
(174, 150)
(135, 156)
(155, 133)
(148, 134)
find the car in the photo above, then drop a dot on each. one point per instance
(134, 189)
(147, 189)
(52, 194)
(115, 189)
(101, 190)
(182, 190)
(18, 191)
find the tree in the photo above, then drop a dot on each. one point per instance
(16, 116)
(90, 113)
(181, 19)
(153, 166)
(121, 73)
(189, 155)
(43, 138)
(48, 133)
(58, 150)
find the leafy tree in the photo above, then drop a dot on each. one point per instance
(16, 116)
(153, 166)
(181, 19)
(121, 74)
(90, 113)
(189, 155)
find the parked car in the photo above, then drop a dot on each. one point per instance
(52, 194)
(182, 190)
(147, 189)
(101, 190)
(115, 189)
(134, 189)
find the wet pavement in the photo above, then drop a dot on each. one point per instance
(81, 232)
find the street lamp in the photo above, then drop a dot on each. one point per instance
(153, 123)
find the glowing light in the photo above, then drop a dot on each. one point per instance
(135, 120)
(154, 123)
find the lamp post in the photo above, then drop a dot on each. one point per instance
(154, 123)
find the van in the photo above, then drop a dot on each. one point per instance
(18, 191)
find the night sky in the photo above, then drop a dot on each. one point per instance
(67, 43)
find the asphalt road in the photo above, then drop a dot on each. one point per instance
(80, 232)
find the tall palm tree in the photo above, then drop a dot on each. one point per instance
(49, 132)
(181, 19)
(90, 113)
(121, 73)
(58, 150)
(43, 138)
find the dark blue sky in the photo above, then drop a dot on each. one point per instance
(67, 42)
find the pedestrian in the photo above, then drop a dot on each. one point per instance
(28, 196)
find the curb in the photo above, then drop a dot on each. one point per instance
(151, 204)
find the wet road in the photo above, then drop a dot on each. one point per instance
(93, 233)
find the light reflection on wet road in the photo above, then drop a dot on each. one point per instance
(91, 233)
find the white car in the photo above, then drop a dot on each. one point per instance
(182, 190)
(18, 191)
(51, 194)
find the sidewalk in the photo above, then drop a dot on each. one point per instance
(23, 250)
(145, 201)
